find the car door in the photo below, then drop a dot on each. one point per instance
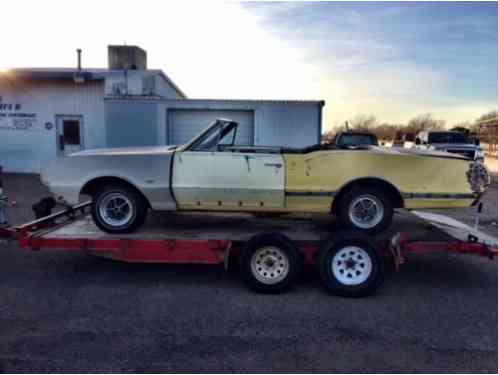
(193, 176)
(249, 180)
(194, 179)
(211, 174)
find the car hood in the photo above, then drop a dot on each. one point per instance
(150, 150)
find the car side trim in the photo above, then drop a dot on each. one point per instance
(404, 195)
(437, 196)
(311, 193)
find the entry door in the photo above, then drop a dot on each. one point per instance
(69, 134)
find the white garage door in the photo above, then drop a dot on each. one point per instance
(185, 124)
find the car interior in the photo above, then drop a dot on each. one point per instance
(221, 137)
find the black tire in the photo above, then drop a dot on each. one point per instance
(369, 264)
(138, 207)
(375, 192)
(257, 247)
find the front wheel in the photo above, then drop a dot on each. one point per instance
(118, 209)
(367, 209)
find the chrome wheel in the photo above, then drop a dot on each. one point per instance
(116, 209)
(366, 211)
(269, 265)
(351, 265)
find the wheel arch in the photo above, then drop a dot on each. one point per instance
(91, 186)
(392, 191)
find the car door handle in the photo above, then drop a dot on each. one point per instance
(277, 165)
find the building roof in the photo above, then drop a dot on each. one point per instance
(58, 73)
(190, 100)
(93, 74)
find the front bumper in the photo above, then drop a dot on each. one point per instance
(65, 195)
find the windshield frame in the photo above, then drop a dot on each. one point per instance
(220, 124)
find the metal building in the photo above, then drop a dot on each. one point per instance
(175, 121)
(51, 112)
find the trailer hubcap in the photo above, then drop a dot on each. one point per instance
(366, 211)
(116, 209)
(270, 265)
(351, 265)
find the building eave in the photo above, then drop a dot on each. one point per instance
(172, 84)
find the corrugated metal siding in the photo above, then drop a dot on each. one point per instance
(276, 123)
(185, 124)
(29, 150)
(288, 124)
(131, 124)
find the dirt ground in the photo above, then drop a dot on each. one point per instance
(71, 312)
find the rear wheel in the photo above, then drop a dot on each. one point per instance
(270, 263)
(369, 210)
(118, 209)
(350, 265)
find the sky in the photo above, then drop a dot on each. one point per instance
(390, 60)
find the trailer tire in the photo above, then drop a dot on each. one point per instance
(270, 263)
(130, 219)
(350, 265)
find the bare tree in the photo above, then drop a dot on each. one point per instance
(488, 116)
(424, 122)
(388, 131)
(363, 123)
(328, 136)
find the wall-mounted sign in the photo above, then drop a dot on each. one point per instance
(10, 106)
(49, 126)
(12, 119)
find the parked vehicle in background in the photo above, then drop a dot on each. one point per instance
(354, 139)
(450, 141)
(401, 139)
(360, 185)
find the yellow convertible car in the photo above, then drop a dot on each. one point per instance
(361, 185)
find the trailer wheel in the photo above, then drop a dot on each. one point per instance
(350, 265)
(270, 263)
(118, 209)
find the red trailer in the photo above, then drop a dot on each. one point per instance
(270, 251)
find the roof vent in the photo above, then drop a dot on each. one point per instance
(78, 52)
(126, 58)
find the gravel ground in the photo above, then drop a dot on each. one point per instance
(63, 312)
